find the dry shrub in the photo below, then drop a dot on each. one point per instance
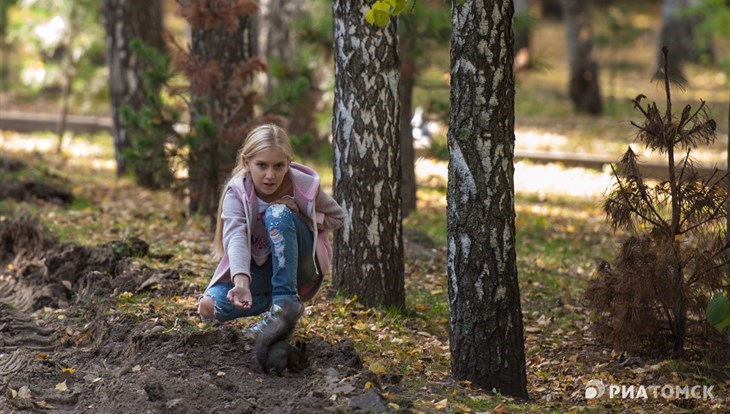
(677, 254)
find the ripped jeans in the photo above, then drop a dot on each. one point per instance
(290, 263)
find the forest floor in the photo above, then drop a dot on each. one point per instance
(99, 280)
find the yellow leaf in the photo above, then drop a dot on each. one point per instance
(501, 409)
(360, 326)
(462, 408)
(394, 406)
(69, 370)
(378, 368)
(441, 405)
(61, 386)
(43, 404)
(10, 266)
(13, 393)
(42, 356)
(201, 325)
(368, 385)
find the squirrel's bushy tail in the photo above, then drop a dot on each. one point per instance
(277, 325)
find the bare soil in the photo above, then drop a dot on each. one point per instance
(63, 350)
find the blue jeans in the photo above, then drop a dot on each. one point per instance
(290, 263)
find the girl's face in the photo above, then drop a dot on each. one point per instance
(267, 169)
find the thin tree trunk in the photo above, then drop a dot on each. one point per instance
(486, 331)
(68, 68)
(522, 33)
(584, 88)
(368, 255)
(213, 157)
(408, 75)
(124, 21)
(678, 34)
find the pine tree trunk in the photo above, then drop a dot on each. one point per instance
(368, 256)
(486, 331)
(212, 158)
(408, 81)
(584, 88)
(125, 20)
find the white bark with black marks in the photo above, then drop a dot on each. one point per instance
(368, 251)
(486, 332)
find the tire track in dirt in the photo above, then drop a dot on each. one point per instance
(95, 360)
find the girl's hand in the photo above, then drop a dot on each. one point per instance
(240, 294)
(240, 297)
(289, 202)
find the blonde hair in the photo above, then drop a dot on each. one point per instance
(262, 138)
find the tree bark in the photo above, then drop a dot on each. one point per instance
(368, 255)
(486, 331)
(125, 20)
(213, 157)
(583, 87)
(407, 83)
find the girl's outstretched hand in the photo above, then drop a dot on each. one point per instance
(240, 297)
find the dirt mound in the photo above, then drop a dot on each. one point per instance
(9, 165)
(29, 190)
(37, 271)
(95, 359)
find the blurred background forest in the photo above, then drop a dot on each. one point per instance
(54, 50)
(59, 109)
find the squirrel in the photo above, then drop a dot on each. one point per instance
(272, 349)
(282, 356)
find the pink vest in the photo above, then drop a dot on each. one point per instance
(306, 185)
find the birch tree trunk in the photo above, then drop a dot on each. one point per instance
(486, 331)
(583, 87)
(368, 255)
(125, 20)
(212, 158)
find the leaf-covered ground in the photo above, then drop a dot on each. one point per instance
(134, 342)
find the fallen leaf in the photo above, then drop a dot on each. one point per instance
(61, 386)
(441, 405)
(43, 404)
(42, 356)
(368, 385)
(221, 374)
(394, 406)
(137, 368)
(69, 370)
(500, 409)
(378, 368)
(13, 393)
(24, 392)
